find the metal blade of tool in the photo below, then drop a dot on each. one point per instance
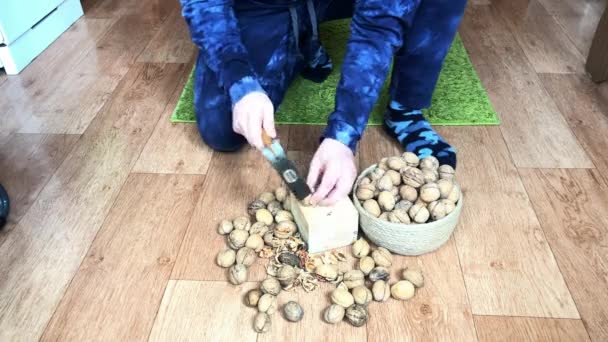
(274, 152)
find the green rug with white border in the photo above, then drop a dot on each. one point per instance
(459, 98)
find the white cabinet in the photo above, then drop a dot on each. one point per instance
(27, 27)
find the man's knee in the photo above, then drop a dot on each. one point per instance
(216, 131)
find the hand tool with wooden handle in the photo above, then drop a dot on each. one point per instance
(274, 152)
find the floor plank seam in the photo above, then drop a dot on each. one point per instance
(568, 125)
(16, 225)
(175, 261)
(167, 174)
(143, 147)
(464, 283)
(510, 31)
(160, 25)
(532, 317)
(563, 28)
(84, 257)
(557, 263)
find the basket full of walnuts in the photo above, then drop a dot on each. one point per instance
(407, 205)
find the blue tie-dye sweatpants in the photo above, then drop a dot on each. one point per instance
(246, 45)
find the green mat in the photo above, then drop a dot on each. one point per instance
(459, 98)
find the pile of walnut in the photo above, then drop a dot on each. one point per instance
(274, 236)
(409, 190)
(369, 282)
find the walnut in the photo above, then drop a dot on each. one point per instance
(267, 304)
(376, 174)
(383, 164)
(401, 216)
(287, 204)
(274, 207)
(365, 181)
(395, 193)
(454, 196)
(237, 274)
(226, 258)
(429, 163)
(396, 163)
(252, 298)
(412, 176)
(356, 315)
(281, 194)
(225, 227)
(430, 192)
(408, 193)
(360, 248)
(392, 218)
(382, 257)
(255, 206)
(430, 175)
(366, 264)
(343, 267)
(437, 210)
(242, 222)
(283, 215)
(342, 297)
(446, 172)
(403, 290)
(266, 197)
(261, 323)
(245, 256)
(385, 183)
(327, 271)
(334, 314)
(365, 191)
(258, 228)
(285, 229)
(293, 312)
(386, 200)
(445, 187)
(379, 273)
(264, 216)
(362, 295)
(287, 275)
(419, 213)
(384, 216)
(237, 238)
(353, 278)
(372, 207)
(271, 286)
(449, 206)
(268, 238)
(255, 242)
(381, 291)
(411, 159)
(414, 276)
(403, 205)
(395, 177)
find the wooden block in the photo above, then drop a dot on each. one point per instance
(326, 228)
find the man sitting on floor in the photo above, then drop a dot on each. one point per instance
(251, 50)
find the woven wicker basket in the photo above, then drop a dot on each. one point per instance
(406, 239)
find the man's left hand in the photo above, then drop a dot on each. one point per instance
(333, 170)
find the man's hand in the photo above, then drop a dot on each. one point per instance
(251, 114)
(333, 170)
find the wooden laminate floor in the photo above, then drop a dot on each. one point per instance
(112, 234)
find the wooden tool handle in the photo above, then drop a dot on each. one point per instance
(266, 139)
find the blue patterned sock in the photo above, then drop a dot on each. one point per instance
(416, 134)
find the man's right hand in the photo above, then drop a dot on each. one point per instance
(251, 114)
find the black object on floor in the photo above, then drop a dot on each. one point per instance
(4, 206)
